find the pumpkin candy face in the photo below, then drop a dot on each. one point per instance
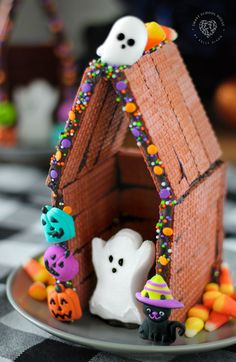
(64, 304)
(58, 226)
(61, 263)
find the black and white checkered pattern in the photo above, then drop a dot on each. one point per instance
(21, 197)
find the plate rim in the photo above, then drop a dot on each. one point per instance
(116, 347)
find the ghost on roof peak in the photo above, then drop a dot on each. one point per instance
(125, 42)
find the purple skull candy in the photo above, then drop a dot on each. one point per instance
(61, 263)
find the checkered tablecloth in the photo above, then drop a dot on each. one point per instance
(22, 193)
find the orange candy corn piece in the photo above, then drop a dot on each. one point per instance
(216, 320)
(37, 291)
(210, 287)
(210, 297)
(225, 279)
(193, 326)
(155, 34)
(226, 305)
(199, 311)
(233, 296)
(171, 34)
(36, 271)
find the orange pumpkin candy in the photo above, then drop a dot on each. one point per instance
(64, 304)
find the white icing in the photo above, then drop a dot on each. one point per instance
(118, 52)
(114, 295)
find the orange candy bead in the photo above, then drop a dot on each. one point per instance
(58, 155)
(130, 107)
(158, 170)
(152, 149)
(71, 115)
(162, 260)
(67, 209)
(167, 231)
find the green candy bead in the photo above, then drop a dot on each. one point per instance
(7, 114)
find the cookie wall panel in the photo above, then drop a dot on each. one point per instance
(163, 62)
(89, 188)
(133, 169)
(139, 202)
(194, 104)
(196, 222)
(92, 221)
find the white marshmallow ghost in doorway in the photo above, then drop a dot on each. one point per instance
(121, 265)
(125, 43)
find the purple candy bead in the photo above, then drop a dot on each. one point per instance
(135, 132)
(121, 85)
(86, 87)
(54, 174)
(65, 143)
(62, 265)
(164, 194)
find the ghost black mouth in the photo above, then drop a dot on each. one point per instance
(62, 316)
(56, 234)
(51, 270)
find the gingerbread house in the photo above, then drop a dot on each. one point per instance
(170, 188)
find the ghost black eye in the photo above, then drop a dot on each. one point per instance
(44, 222)
(110, 258)
(120, 36)
(131, 42)
(121, 262)
(61, 264)
(53, 219)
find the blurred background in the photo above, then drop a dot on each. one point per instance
(44, 48)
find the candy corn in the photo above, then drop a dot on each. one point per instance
(171, 34)
(216, 320)
(193, 326)
(212, 287)
(226, 282)
(37, 291)
(233, 295)
(199, 311)
(36, 271)
(209, 298)
(155, 34)
(226, 305)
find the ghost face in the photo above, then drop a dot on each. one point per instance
(58, 226)
(61, 263)
(115, 264)
(125, 42)
(156, 314)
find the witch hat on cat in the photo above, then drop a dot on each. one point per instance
(157, 293)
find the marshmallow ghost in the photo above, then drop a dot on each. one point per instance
(121, 265)
(125, 43)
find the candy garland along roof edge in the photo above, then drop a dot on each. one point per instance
(164, 230)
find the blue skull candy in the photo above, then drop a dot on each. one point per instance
(58, 226)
